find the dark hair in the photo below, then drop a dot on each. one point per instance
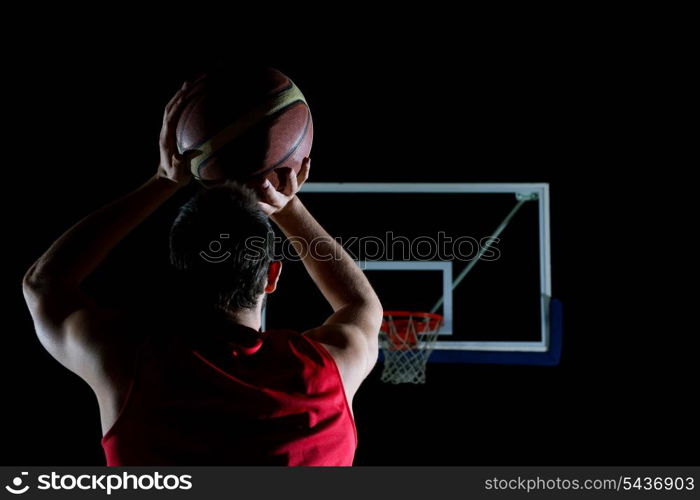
(221, 246)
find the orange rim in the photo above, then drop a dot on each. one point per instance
(407, 326)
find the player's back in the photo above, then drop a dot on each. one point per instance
(237, 397)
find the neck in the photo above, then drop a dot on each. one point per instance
(247, 317)
(197, 308)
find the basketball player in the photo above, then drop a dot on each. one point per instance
(198, 383)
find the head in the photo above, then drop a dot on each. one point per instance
(221, 247)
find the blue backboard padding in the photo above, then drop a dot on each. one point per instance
(549, 358)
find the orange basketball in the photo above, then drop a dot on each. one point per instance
(244, 124)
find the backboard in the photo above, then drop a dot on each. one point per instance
(478, 254)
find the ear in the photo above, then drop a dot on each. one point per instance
(273, 274)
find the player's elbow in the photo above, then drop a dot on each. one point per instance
(35, 297)
(368, 314)
(36, 287)
(48, 300)
(32, 287)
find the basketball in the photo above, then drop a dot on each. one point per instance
(239, 125)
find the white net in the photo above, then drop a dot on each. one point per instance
(408, 339)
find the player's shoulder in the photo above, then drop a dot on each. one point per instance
(352, 351)
(339, 335)
(104, 327)
(302, 344)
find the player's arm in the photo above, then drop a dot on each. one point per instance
(67, 321)
(351, 332)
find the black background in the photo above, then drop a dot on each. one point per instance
(572, 108)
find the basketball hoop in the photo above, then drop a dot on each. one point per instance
(408, 339)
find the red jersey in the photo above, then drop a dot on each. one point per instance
(271, 398)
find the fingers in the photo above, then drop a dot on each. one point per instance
(292, 184)
(185, 92)
(272, 200)
(268, 193)
(192, 84)
(287, 180)
(171, 116)
(267, 188)
(175, 101)
(170, 119)
(168, 141)
(303, 174)
(174, 107)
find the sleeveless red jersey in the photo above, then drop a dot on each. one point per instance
(271, 398)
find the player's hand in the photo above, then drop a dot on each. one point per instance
(273, 200)
(174, 166)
